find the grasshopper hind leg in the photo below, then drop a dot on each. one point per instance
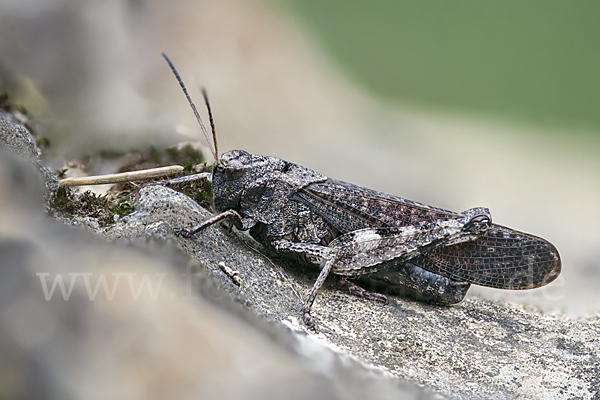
(322, 255)
(408, 280)
(328, 264)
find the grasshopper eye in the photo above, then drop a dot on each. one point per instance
(481, 219)
(234, 170)
(480, 224)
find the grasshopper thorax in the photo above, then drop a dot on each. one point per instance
(256, 185)
(230, 176)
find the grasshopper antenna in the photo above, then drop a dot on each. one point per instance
(189, 99)
(212, 123)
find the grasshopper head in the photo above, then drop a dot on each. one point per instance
(230, 177)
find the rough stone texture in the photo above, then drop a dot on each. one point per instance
(477, 349)
(16, 139)
(150, 333)
(189, 340)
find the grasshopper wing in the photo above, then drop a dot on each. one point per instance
(502, 258)
(348, 207)
(366, 250)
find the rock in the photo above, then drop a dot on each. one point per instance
(192, 332)
(477, 349)
(83, 318)
(16, 139)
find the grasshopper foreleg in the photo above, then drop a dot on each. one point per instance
(240, 223)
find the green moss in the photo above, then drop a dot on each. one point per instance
(199, 191)
(187, 156)
(7, 105)
(69, 203)
(63, 201)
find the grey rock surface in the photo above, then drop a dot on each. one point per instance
(16, 139)
(172, 328)
(477, 349)
(84, 318)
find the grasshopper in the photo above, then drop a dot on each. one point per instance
(429, 253)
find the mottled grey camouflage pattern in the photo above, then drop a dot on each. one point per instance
(354, 231)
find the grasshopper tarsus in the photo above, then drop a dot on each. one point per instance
(231, 215)
(361, 292)
(307, 319)
(186, 233)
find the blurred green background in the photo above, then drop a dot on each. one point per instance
(532, 62)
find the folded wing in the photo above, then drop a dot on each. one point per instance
(503, 258)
